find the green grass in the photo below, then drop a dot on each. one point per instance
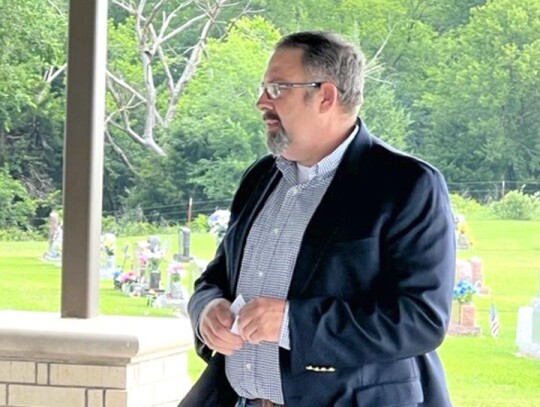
(481, 371)
(29, 283)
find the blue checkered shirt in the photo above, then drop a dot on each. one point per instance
(269, 258)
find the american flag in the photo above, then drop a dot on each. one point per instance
(494, 321)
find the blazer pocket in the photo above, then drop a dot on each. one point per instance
(400, 371)
(390, 394)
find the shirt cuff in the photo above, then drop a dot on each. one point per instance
(284, 341)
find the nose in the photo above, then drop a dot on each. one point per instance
(264, 103)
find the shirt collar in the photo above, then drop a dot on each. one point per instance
(296, 173)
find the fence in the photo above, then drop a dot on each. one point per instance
(489, 191)
(482, 191)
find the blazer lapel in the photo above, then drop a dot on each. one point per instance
(331, 212)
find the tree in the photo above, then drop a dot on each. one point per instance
(484, 98)
(147, 78)
(222, 132)
(32, 38)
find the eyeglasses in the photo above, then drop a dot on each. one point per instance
(273, 90)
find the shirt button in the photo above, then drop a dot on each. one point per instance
(294, 191)
(248, 366)
(276, 231)
(260, 274)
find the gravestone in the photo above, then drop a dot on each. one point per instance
(464, 270)
(184, 245)
(473, 271)
(463, 320)
(477, 267)
(524, 330)
(536, 321)
(528, 329)
(175, 296)
(155, 279)
(155, 256)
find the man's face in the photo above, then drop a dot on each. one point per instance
(290, 116)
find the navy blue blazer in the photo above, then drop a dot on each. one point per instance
(371, 291)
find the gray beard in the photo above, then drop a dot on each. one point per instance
(277, 142)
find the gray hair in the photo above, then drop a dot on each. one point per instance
(328, 57)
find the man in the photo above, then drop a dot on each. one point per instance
(341, 247)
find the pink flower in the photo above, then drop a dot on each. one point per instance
(176, 271)
(127, 276)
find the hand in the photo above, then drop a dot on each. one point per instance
(215, 328)
(260, 320)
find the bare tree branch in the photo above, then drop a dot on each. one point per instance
(123, 5)
(181, 28)
(52, 73)
(194, 60)
(119, 151)
(56, 7)
(155, 27)
(123, 84)
(379, 51)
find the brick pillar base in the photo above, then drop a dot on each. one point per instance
(99, 362)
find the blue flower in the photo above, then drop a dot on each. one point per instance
(464, 291)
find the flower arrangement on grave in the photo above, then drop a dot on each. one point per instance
(150, 254)
(463, 294)
(463, 238)
(464, 291)
(218, 222)
(176, 272)
(108, 244)
(127, 277)
(175, 289)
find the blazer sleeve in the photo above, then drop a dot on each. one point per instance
(410, 310)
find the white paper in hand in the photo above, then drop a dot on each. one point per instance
(235, 308)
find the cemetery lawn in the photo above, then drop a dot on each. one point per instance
(481, 371)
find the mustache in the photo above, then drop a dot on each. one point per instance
(270, 116)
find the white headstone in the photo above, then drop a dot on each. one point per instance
(524, 325)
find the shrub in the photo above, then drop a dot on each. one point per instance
(109, 225)
(465, 206)
(137, 229)
(516, 206)
(14, 234)
(200, 224)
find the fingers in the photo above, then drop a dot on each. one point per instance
(260, 320)
(214, 328)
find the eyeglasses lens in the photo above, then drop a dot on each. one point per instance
(271, 89)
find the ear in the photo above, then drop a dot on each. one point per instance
(329, 96)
